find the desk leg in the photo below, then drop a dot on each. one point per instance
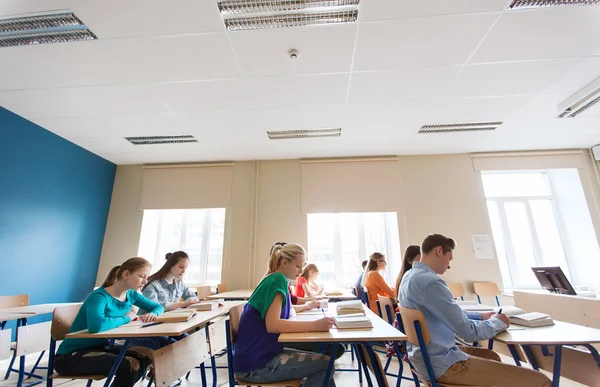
(329, 371)
(514, 354)
(557, 364)
(363, 363)
(594, 352)
(115, 366)
(213, 365)
(381, 382)
(530, 358)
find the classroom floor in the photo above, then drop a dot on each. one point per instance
(343, 379)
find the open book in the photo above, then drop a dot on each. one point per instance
(357, 322)
(350, 307)
(178, 315)
(207, 305)
(534, 319)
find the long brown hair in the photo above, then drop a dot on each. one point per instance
(279, 253)
(373, 264)
(410, 254)
(131, 265)
(172, 260)
(307, 269)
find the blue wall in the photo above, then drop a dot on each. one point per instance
(54, 200)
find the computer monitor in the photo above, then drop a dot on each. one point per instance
(553, 279)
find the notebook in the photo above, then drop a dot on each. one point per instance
(350, 307)
(353, 322)
(178, 315)
(532, 320)
(207, 305)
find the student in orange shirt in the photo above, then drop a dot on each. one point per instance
(374, 283)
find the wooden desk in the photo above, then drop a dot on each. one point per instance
(34, 310)
(235, 295)
(345, 296)
(381, 331)
(12, 316)
(134, 328)
(556, 336)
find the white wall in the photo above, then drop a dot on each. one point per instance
(440, 194)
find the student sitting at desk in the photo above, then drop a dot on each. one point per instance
(106, 308)
(360, 291)
(374, 283)
(423, 289)
(306, 285)
(258, 356)
(165, 287)
(411, 254)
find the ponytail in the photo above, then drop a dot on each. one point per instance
(111, 277)
(116, 273)
(372, 265)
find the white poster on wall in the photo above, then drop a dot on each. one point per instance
(483, 246)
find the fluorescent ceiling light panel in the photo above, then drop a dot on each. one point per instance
(155, 140)
(517, 4)
(259, 14)
(304, 133)
(55, 28)
(464, 127)
(580, 101)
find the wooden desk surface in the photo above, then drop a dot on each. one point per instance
(33, 310)
(561, 333)
(13, 316)
(242, 294)
(381, 331)
(134, 329)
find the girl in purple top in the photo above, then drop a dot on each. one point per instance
(258, 356)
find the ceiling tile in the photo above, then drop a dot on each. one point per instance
(321, 49)
(516, 78)
(104, 145)
(117, 18)
(541, 34)
(581, 75)
(83, 101)
(113, 126)
(302, 90)
(401, 85)
(439, 40)
(119, 61)
(396, 9)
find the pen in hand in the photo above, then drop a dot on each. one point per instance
(500, 311)
(323, 312)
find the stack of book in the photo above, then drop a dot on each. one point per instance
(350, 307)
(178, 315)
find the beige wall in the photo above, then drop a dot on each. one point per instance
(440, 194)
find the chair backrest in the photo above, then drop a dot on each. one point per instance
(217, 338)
(203, 291)
(235, 314)
(14, 301)
(5, 339)
(372, 365)
(62, 319)
(168, 366)
(33, 338)
(222, 288)
(487, 289)
(409, 316)
(457, 289)
(387, 308)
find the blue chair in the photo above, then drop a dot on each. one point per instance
(417, 333)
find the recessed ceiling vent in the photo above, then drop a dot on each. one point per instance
(155, 140)
(257, 14)
(518, 4)
(304, 133)
(465, 127)
(32, 30)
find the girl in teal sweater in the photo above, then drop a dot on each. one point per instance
(105, 308)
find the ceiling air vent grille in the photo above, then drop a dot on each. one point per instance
(304, 133)
(465, 127)
(258, 14)
(32, 30)
(155, 140)
(518, 4)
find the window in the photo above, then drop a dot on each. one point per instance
(197, 232)
(338, 243)
(541, 218)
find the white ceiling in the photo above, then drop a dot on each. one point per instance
(167, 68)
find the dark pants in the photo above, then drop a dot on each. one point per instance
(99, 361)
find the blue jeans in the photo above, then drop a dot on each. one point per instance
(291, 364)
